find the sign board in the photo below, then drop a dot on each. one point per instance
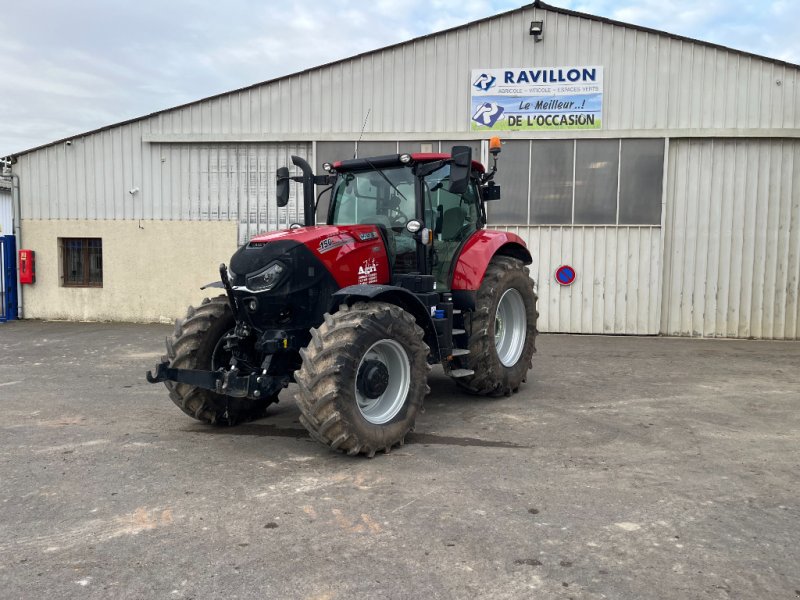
(537, 99)
(565, 275)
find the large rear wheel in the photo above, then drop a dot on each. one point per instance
(199, 343)
(503, 330)
(363, 378)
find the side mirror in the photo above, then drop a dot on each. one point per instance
(460, 169)
(283, 187)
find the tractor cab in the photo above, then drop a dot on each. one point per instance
(411, 198)
(425, 205)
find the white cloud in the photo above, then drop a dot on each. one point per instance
(670, 13)
(767, 27)
(68, 67)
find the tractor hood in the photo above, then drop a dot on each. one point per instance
(351, 254)
(303, 235)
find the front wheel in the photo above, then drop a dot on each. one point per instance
(363, 378)
(503, 330)
(198, 343)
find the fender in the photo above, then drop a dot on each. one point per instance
(479, 250)
(393, 295)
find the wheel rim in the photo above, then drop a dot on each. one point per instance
(510, 325)
(385, 407)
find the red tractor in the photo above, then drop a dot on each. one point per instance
(402, 276)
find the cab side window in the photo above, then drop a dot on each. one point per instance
(453, 217)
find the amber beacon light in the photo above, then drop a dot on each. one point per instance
(495, 145)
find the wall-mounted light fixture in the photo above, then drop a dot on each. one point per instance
(537, 30)
(133, 191)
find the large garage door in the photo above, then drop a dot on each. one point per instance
(732, 239)
(595, 206)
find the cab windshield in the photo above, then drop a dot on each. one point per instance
(384, 197)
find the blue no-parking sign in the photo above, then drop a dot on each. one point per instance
(565, 275)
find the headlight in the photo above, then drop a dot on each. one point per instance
(267, 278)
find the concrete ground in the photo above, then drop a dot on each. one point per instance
(625, 468)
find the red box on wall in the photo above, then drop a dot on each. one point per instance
(27, 266)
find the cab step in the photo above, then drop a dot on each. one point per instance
(459, 352)
(459, 331)
(461, 373)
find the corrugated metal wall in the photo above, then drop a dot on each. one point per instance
(732, 239)
(616, 289)
(237, 183)
(652, 81)
(420, 89)
(175, 181)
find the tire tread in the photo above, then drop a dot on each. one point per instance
(183, 352)
(322, 375)
(490, 378)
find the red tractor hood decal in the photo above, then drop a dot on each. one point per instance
(353, 254)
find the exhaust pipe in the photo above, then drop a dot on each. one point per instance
(309, 205)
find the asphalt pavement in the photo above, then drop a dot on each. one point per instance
(625, 468)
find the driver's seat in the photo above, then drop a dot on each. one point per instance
(452, 223)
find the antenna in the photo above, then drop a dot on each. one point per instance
(363, 127)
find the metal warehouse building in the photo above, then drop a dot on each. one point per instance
(660, 168)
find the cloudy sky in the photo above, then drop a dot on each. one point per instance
(69, 67)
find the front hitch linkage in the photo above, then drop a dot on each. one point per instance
(227, 383)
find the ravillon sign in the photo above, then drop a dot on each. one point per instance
(537, 98)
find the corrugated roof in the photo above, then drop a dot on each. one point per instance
(537, 4)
